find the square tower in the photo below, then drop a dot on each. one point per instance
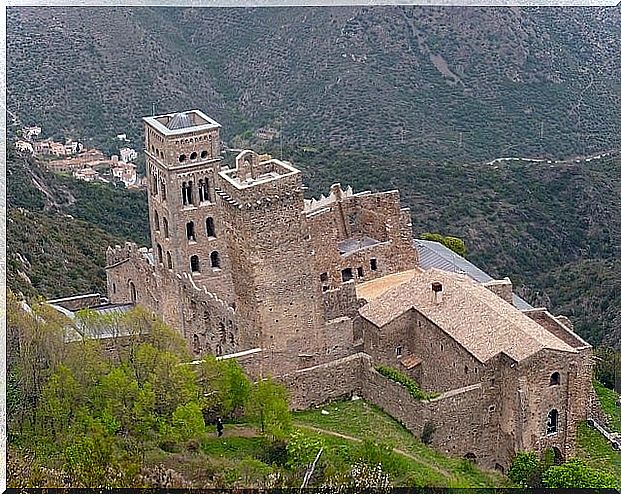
(279, 298)
(182, 159)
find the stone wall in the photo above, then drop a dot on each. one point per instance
(341, 301)
(541, 393)
(503, 288)
(208, 323)
(557, 327)
(444, 363)
(355, 217)
(313, 386)
(462, 419)
(278, 295)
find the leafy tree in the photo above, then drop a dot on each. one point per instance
(576, 474)
(188, 422)
(526, 469)
(269, 408)
(117, 393)
(60, 396)
(455, 244)
(237, 388)
(224, 384)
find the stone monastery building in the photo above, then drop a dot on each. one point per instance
(320, 292)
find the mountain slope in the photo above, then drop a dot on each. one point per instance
(58, 229)
(460, 83)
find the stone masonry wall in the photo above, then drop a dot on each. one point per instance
(462, 420)
(444, 363)
(540, 395)
(377, 216)
(208, 323)
(278, 295)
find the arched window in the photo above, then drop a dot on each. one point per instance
(169, 260)
(190, 193)
(163, 189)
(203, 154)
(201, 198)
(132, 292)
(210, 227)
(156, 220)
(184, 193)
(194, 264)
(215, 259)
(189, 231)
(552, 424)
(165, 223)
(203, 190)
(160, 254)
(193, 155)
(555, 379)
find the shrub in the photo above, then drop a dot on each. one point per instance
(577, 475)
(410, 384)
(457, 245)
(427, 435)
(526, 469)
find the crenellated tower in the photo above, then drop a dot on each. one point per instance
(182, 160)
(279, 297)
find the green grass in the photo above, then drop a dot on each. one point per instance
(362, 420)
(597, 452)
(608, 398)
(233, 447)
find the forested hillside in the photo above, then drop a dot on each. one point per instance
(461, 83)
(394, 97)
(58, 229)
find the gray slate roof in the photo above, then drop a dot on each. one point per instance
(435, 255)
(180, 121)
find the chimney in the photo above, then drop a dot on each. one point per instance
(436, 288)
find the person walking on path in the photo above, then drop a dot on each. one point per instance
(219, 426)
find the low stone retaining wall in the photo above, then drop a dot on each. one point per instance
(460, 418)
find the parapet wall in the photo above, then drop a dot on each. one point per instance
(555, 326)
(207, 322)
(461, 421)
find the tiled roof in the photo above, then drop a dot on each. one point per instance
(435, 255)
(410, 361)
(480, 321)
(374, 288)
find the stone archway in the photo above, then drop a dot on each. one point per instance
(471, 457)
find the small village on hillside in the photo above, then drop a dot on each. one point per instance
(86, 164)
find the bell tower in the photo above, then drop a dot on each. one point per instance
(182, 159)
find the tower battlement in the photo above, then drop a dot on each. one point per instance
(257, 181)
